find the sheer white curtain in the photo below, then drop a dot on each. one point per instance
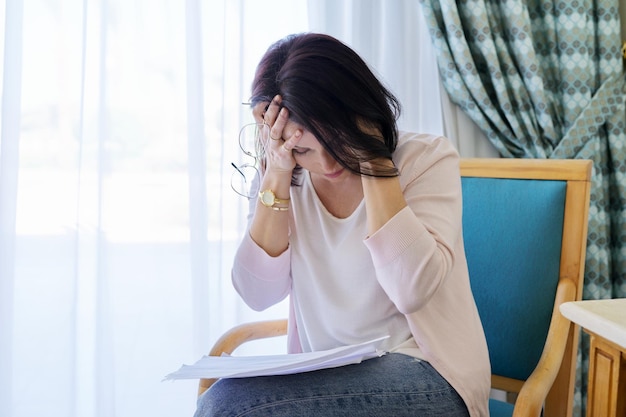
(119, 121)
(393, 38)
(118, 124)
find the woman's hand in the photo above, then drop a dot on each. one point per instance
(270, 228)
(278, 150)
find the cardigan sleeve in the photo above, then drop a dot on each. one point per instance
(414, 252)
(260, 279)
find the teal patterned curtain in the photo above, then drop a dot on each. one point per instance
(544, 79)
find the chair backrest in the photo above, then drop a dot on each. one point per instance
(525, 233)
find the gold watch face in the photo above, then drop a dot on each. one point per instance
(268, 198)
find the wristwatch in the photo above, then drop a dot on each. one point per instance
(268, 199)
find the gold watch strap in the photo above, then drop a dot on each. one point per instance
(281, 201)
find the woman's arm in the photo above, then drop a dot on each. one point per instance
(261, 271)
(270, 225)
(383, 199)
(261, 280)
(414, 251)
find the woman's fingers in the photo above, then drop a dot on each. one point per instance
(272, 110)
(276, 131)
(279, 147)
(290, 143)
(266, 112)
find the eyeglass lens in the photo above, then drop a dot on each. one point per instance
(243, 179)
(252, 136)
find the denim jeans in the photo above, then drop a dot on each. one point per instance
(393, 385)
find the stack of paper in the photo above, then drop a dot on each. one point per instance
(247, 366)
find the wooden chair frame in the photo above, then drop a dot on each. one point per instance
(551, 386)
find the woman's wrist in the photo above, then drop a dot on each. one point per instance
(274, 190)
(380, 167)
(268, 199)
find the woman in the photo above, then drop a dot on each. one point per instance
(360, 226)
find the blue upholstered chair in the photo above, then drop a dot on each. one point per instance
(525, 232)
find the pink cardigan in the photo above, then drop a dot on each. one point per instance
(420, 263)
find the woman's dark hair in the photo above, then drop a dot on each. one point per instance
(332, 93)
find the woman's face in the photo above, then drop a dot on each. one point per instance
(311, 155)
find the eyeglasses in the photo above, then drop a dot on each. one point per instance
(245, 179)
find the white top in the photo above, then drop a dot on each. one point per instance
(337, 298)
(606, 318)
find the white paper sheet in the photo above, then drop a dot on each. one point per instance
(247, 366)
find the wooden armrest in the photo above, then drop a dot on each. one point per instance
(239, 335)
